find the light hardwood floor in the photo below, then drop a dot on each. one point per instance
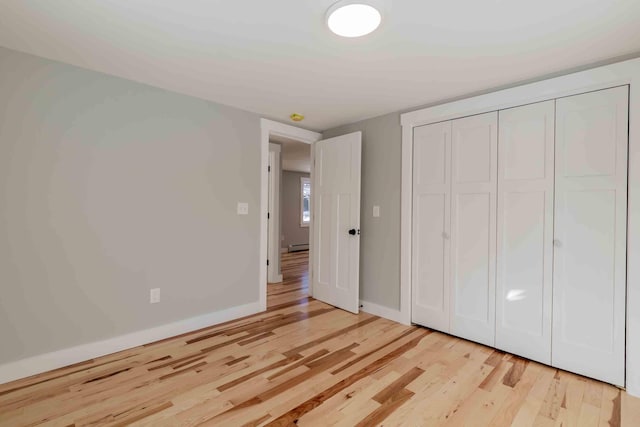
(305, 363)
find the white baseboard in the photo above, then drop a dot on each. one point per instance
(276, 279)
(68, 356)
(382, 311)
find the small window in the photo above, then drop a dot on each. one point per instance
(305, 201)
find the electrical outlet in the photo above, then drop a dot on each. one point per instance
(154, 296)
(376, 211)
(243, 208)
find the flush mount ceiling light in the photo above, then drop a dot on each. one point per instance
(353, 18)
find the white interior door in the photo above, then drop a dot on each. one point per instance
(431, 225)
(336, 221)
(590, 234)
(473, 227)
(525, 230)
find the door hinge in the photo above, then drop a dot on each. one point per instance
(268, 168)
(268, 215)
(267, 262)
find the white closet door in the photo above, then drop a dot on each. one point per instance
(473, 227)
(590, 245)
(431, 225)
(525, 230)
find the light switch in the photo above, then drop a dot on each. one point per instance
(243, 208)
(154, 296)
(376, 211)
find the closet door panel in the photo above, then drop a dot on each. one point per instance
(473, 151)
(590, 253)
(473, 227)
(473, 257)
(525, 230)
(431, 225)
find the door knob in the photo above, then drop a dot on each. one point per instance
(353, 231)
(557, 243)
(445, 235)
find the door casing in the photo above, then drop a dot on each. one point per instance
(272, 128)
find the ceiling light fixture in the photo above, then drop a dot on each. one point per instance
(353, 18)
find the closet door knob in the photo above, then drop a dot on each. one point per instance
(557, 243)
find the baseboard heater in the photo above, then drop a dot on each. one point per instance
(299, 247)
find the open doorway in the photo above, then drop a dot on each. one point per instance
(295, 196)
(294, 207)
(289, 211)
(286, 202)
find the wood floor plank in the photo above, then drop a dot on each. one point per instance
(398, 385)
(498, 372)
(593, 393)
(514, 374)
(555, 397)
(388, 407)
(611, 409)
(528, 411)
(630, 411)
(572, 401)
(589, 415)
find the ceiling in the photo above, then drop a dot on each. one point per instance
(278, 57)
(295, 155)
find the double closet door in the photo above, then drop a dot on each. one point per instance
(519, 230)
(454, 226)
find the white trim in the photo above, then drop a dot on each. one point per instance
(311, 231)
(288, 131)
(382, 311)
(264, 207)
(45, 362)
(267, 128)
(274, 271)
(406, 201)
(627, 72)
(572, 84)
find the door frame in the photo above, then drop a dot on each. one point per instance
(267, 129)
(603, 77)
(274, 230)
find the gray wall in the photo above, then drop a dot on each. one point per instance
(380, 239)
(290, 210)
(109, 188)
